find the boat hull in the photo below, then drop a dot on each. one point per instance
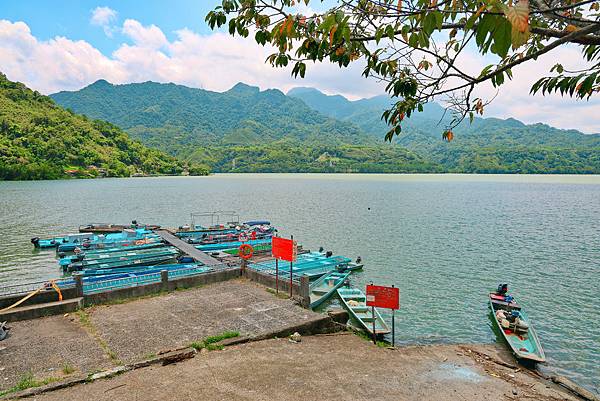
(525, 346)
(354, 301)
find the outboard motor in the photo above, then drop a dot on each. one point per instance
(134, 223)
(35, 241)
(358, 260)
(502, 289)
(328, 254)
(321, 249)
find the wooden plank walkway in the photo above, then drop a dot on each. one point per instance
(188, 249)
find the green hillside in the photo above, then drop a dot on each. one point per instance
(246, 130)
(241, 130)
(41, 140)
(172, 116)
(488, 145)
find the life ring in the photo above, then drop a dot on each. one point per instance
(243, 237)
(246, 251)
(140, 242)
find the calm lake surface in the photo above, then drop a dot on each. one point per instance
(445, 240)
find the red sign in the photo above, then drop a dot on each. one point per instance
(383, 297)
(283, 248)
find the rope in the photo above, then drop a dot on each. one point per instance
(25, 298)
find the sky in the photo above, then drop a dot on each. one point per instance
(56, 45)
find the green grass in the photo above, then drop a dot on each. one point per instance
(28, 381)
(150, 355)
(369, 337)
(281, 294)
(68, 369)
(210, 343)
(84, 319)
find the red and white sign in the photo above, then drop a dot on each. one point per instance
(383, 297)
(283, 249)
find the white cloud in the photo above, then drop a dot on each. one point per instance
(218, 61)
(104, 17)
(144, 36)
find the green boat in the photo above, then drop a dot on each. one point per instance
(138, 261)
(258, 248)
(515, 327)
(356, 303)
(323, 288)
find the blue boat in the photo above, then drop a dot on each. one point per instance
(54, 242)
(138, 236)
(325, 287)
(120, 259)
(128, 263)
(109, 252)
(231, 245)
(138, 269)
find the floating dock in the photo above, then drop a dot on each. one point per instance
(189, 249)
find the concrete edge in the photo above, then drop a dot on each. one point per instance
(164, 359)
(332, 322)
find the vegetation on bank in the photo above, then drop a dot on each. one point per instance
(41, 140)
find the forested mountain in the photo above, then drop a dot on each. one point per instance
(169, 115)
(41, 140)
(245, 129)
(241, 130)
(487, 145)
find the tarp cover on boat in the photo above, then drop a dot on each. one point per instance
(258, 223)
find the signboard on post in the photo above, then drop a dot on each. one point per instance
(383, 297)
(284, 249)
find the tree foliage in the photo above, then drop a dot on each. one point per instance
(40, 140)
(417, 46)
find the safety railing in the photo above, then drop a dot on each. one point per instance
(26, 288)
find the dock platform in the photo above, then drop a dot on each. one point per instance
(188, 249)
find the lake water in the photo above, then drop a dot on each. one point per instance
(445, 240)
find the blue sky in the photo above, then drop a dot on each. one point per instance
(68, 44)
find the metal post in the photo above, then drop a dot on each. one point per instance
(277, 276)
(291, 269)
(393, 326)
(374, 335)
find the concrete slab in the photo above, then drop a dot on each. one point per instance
(136, 329)
(341, 367)
(45, 346)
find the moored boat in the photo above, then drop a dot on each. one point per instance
(106, 228)
(355, 302)
(325, 287)
(97, 259)
(515, 327)
(138, 236)
(55, 242)
(106, 266)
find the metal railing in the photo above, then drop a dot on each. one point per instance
(267, 268)
(111, 284)
(26, 288)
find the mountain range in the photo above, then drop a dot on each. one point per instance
(248, 130)
(41, 140)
